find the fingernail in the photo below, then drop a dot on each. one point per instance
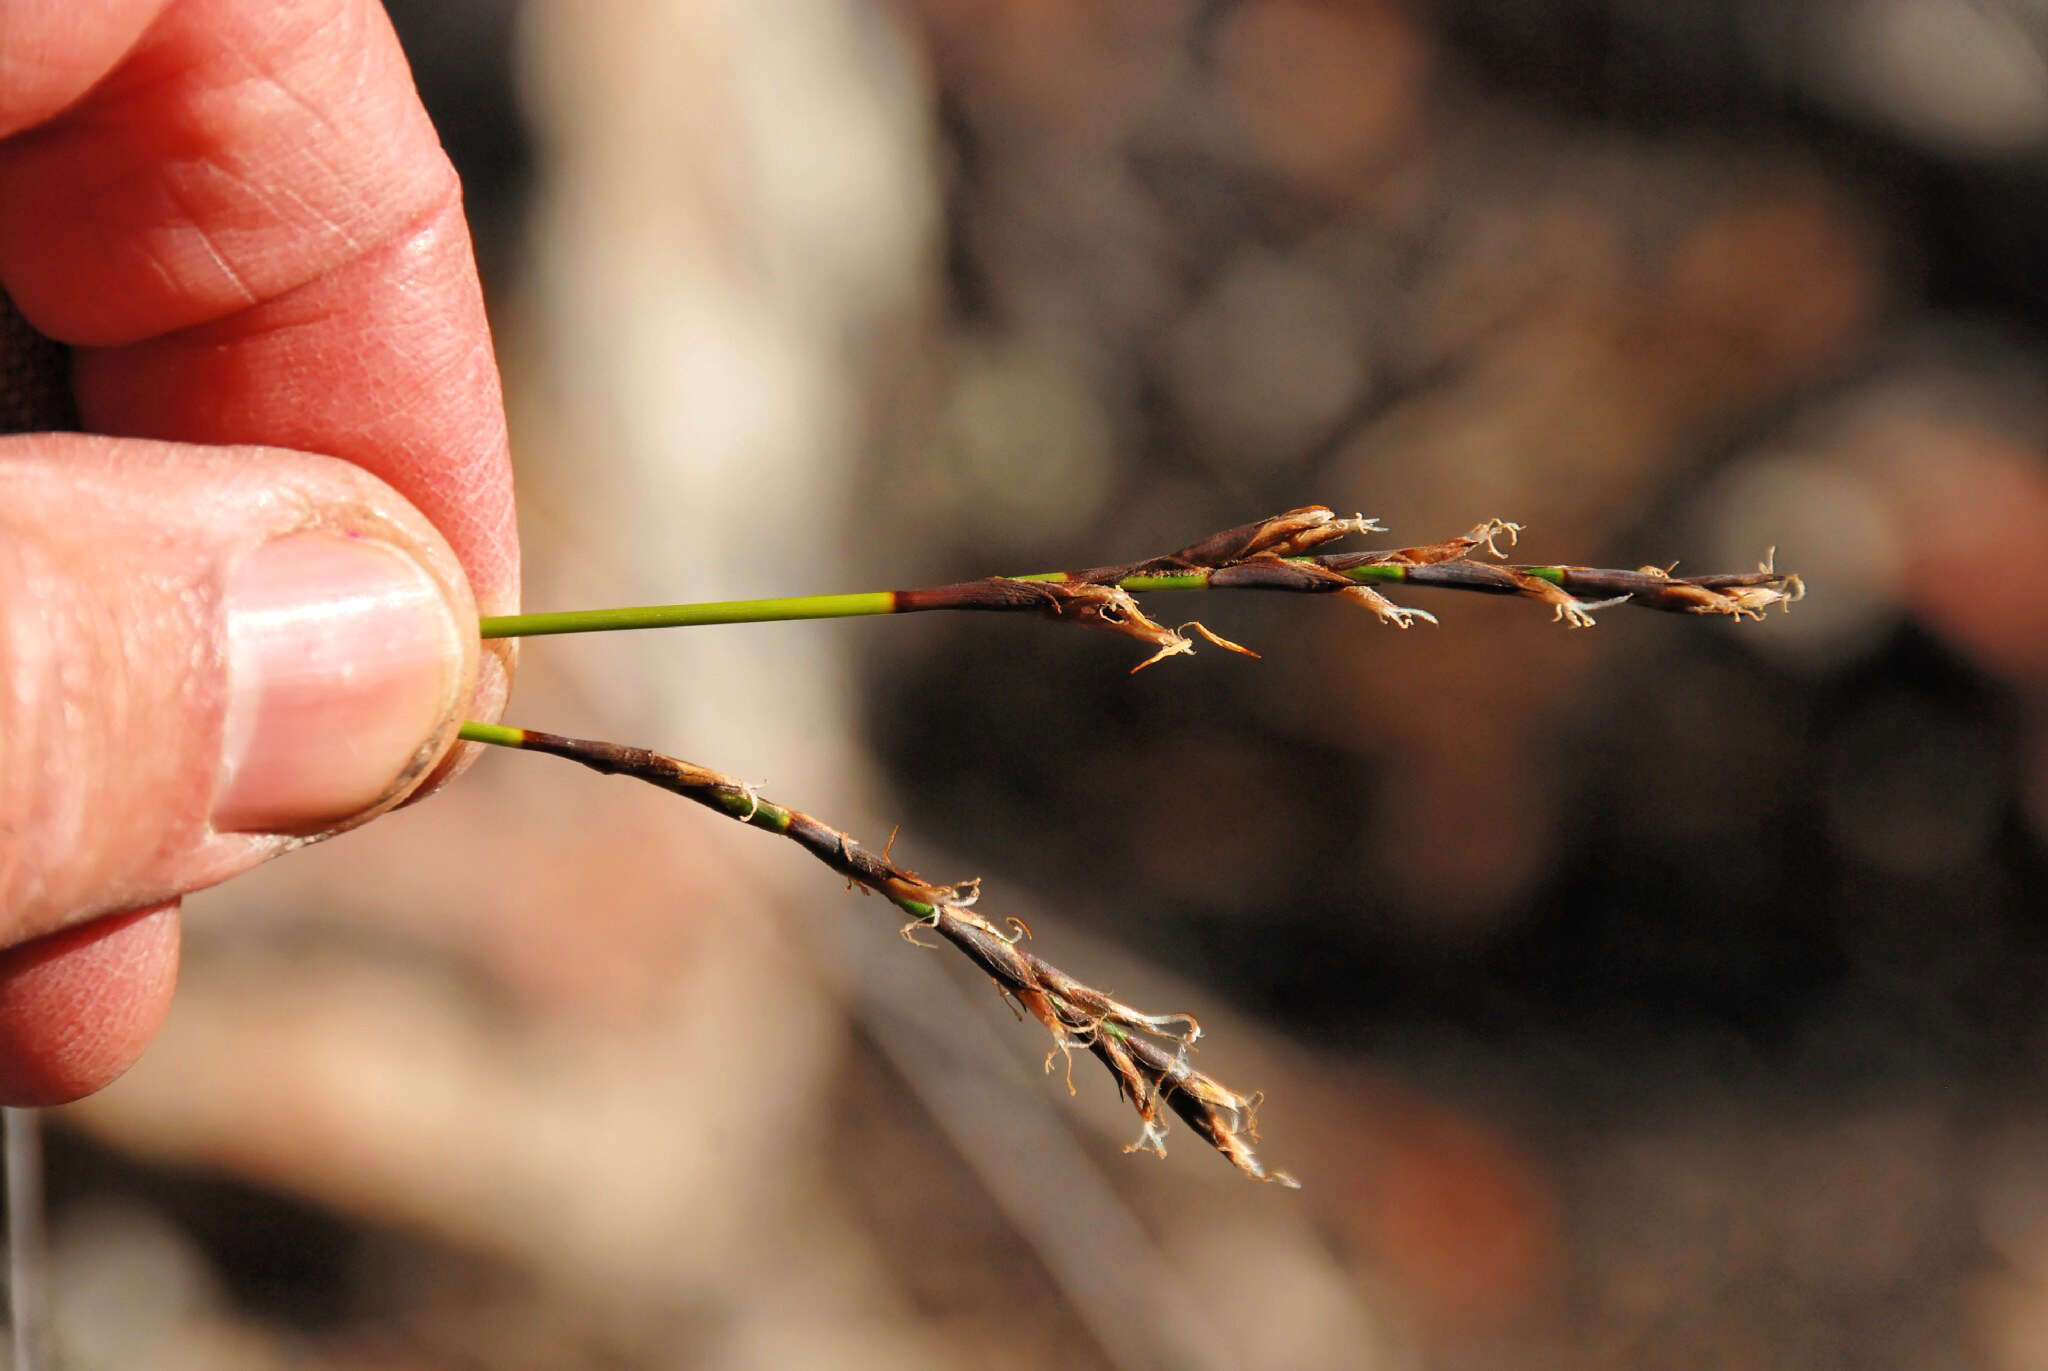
(342, 663)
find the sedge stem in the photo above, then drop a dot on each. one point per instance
(691, 616)
(857, 604)
(497, 735)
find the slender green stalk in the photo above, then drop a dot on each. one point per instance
(1146, 1053)
(852, 604)
(497, 735)
(1267, 554)
(691, 616)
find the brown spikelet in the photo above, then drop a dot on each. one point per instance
(1148, 1054)
(1277, 554)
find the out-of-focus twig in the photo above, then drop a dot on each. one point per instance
(27, 1251)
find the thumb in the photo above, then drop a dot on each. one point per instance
(207, 655)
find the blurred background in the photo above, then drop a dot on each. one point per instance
(1668, 994)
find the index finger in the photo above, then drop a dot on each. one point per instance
(239, 217)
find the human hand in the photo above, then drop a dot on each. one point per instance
(239, 610)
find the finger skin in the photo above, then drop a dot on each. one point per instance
(113, 680)
(237, 151)
(369, 363)
(238, 217)
(51, 52)
(78, 1007)
(248, 232)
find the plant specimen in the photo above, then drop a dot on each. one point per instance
(1149, 1055)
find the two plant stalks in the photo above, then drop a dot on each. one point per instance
(1148, 1055)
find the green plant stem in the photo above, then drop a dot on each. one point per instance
(851, 606)
(783, 609)
(1277, 553)
(862, 604)
(497, 735)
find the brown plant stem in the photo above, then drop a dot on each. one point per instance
(1274, 554)
(1147, 1054)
